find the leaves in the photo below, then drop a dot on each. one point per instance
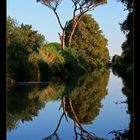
(89, 41)
(21, 41)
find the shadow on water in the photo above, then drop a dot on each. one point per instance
(127, 77)
(80, 101)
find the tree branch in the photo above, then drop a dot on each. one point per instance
(58, 19)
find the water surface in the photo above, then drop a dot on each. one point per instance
(90, 105)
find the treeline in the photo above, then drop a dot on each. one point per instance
(123, 64)
(30, 58)
(126, 58)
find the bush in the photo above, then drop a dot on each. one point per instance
(72, 63)
(52, 56)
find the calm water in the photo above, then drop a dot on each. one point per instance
(93, 103)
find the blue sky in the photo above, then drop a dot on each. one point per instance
(42, 19)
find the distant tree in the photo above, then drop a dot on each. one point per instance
(128, 4)
(80, 8)
(128, 29)
(89, 40)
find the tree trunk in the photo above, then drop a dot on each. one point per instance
(62, 39)
(75, 22)
(71, 33)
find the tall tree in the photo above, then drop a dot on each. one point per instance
(53, 5)
(80, 8)
(89, 41)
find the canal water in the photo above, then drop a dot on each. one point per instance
(91, 106)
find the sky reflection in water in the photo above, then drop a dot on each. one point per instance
(105, 110)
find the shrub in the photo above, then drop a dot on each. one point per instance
(72, 63)
(52, 56)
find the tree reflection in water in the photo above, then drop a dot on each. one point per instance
(82, 135)
(22, 104)
(80, 101)
(25, 101)
(83, 104)
(127, 90)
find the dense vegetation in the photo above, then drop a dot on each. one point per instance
(127, 46)
(89, 41)
(21, 42)
(30, 58)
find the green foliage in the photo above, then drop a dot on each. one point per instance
(89, 41)
(127, 25)
(23, 35)
(52, 56)
(34, 69)
(11, 24)
(16, 61)
(29, 59)
(72, 63)
(54, 44)
(127, 53)
(128, 29)
(21, 41)
(61, 62)
(127, 46)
